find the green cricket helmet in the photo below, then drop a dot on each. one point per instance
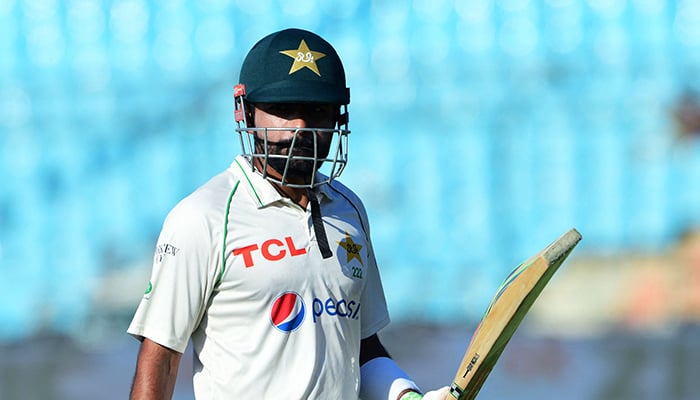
(293, 66)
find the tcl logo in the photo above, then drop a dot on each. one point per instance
(271, 250)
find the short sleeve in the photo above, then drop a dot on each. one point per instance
(182, 279)
(375, 314)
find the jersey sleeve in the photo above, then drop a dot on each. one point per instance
(375, 314)
(182, 279)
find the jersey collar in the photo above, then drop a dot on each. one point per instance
(258, 188)
(262, 191)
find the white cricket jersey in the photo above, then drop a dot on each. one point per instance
(238, 270)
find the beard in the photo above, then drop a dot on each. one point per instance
(300, 167)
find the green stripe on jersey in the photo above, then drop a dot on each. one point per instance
(260, 203)
(223, 245)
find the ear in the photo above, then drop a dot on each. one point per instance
(250, 114)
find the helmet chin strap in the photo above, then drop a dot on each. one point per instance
(319, 230)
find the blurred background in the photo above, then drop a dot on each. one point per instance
(482, 130)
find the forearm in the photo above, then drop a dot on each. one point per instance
(153, 384)
(156, 372)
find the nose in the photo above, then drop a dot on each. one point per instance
(304, 116)
(298, 121)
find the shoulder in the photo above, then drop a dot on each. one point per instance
(207, 204)
(337, 188)
(347, 199)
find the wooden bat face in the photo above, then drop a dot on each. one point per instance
(507, 309)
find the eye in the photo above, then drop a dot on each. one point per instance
(278, 108)
(324, 110)
(274, 108)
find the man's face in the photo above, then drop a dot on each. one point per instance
(295, 125)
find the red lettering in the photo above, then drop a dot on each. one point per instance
(271, 249)
(266, 250)
(292, 249)
(247, 254)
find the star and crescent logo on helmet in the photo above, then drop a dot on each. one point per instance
(304, 58)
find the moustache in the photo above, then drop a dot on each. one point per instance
(303, 145)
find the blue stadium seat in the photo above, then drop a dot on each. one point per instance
(463, 113)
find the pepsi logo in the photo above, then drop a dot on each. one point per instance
(287, 312)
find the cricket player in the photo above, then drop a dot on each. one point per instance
(268, 268)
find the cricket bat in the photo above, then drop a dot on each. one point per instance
(505, 312)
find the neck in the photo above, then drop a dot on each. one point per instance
(298, 195)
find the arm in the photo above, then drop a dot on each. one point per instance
(371, 348)
(382, 379)
(156, 372)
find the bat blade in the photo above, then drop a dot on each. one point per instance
(507, 309)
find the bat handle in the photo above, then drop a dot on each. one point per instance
(455, 390)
